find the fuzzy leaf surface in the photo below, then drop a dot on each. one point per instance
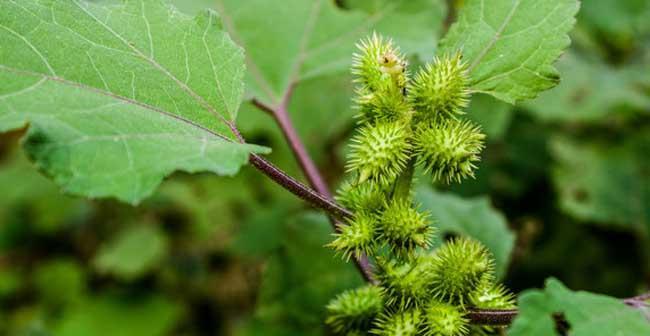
(510, 45)
(119, 96)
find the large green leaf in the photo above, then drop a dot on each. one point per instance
(510, 45)
(118, 97)
(493, 115)
(475, 218)
(591, 92)
(603, 183)
(588, 314)
(299, 39)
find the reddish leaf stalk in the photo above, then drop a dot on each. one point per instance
(313, 175)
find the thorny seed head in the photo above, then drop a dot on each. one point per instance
(381, 74)
(440, 89)
(405, 284)
(356, 238)
(403, 228)
(380, 152)
(459, 267)
(354, 309)
(443, 319)
(450, 149)
(489, 295)
(366, 197)
(403, 323)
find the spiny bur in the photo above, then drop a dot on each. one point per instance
(380, 152)
(404, 323)
(404, 283)
(450, 149)
(440, 89)
(356, 238)
(443, 319)
(366, 197)
(381, 74)
(489, 295)
(459, 267)
(404, 228)
(354, 310)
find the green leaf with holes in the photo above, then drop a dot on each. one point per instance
(592, 92)
(510, 45)
(605, 183)
(587, 314)
(119, 96)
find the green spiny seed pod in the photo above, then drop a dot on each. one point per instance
(442, 319)
(380, 152)
(389, 104)
(354, 309)
(367, 197)
(440, 89)
(405, 285)
(449, 149)
(404, 228)
(404, 323)
(356, 238)
(379, 64)
(459, 267)
(380, 70)
(492, 296)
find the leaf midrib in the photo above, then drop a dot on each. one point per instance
(162, 69)
(107, 94)
(497, 33)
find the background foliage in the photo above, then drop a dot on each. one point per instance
(563, 190)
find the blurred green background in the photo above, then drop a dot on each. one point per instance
(563, 188)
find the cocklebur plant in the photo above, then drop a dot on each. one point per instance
(407, 123)
(155, 91)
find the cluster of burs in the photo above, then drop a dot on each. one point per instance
(405, 123)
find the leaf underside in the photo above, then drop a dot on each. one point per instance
(117, 97)
(302, 39)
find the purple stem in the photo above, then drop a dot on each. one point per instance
(322, 194)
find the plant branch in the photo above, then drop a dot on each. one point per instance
(281, 116)
(322, 194)
(302, 191)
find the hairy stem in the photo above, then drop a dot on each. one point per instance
(313, 175)
(302, 191)
(281, 116)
